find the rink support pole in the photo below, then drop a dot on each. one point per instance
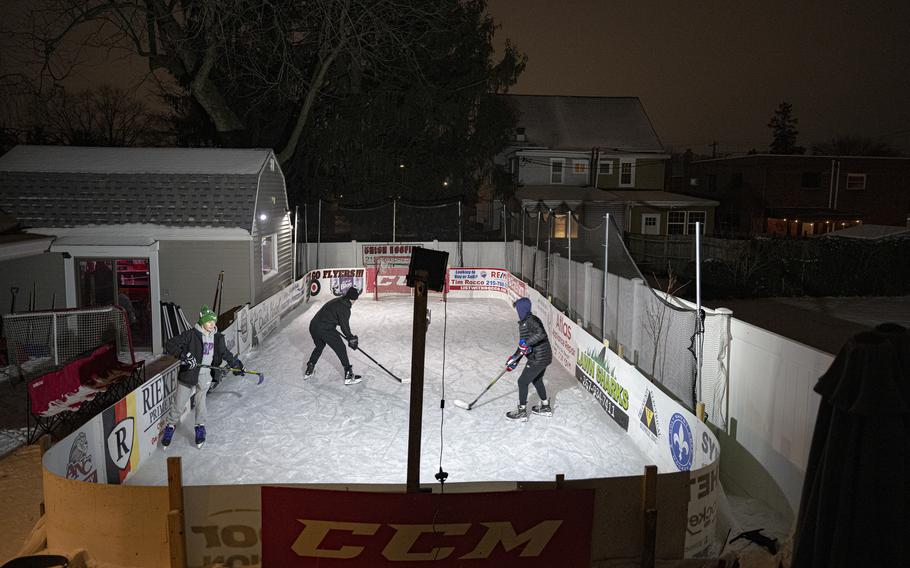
(649, 517)
(418, 351)
(175, 521)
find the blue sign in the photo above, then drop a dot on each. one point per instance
(680, 442)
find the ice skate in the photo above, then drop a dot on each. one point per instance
(520, 413)
(200, 435)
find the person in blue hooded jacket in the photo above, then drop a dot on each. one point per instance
(534, 346)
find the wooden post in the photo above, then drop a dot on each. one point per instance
(418, 351)
(175, 520)
(560, 480)
(649, 516)
(44, 443)
(700, 411)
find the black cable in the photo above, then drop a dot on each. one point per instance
(441, 476)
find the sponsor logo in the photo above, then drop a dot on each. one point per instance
(709, 447)
(157, 397)
(680, 442)
(392, 280)
(600, 381)
(703, 485)
(81, 466)
(647, 417)
(701, 520)
(314, 288)
(120, 442)
(227, 539)
(402, 538)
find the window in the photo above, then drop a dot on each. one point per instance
(676, 223)
(560, 223)
(605, 168)
(269, 256)
(695, 217)
(811, 180)
(580, 167)
(556, 165)
(856, 181)
(626, 173)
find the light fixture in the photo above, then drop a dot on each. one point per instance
(401, 166)
(445, 184)
(263, 216)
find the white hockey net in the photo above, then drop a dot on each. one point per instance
(38, 342)
(389, 277)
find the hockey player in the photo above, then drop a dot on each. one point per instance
(200, 345)
(533, 345)
(335, 313)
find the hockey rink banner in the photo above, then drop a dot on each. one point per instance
(223, 524)
(309, 527)
(478, 279)
(391, 254)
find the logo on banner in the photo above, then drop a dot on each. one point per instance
(157, 398)
(680, 442)
(600, 381)
(648, 417)
(120, 442)
(80, 466)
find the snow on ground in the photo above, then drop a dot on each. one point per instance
(288, 430)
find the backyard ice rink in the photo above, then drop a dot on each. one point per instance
(288, 430)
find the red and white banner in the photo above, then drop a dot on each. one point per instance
(391, 254)
(309, 527)
(389, 280)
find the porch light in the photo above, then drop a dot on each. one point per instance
(263, 216)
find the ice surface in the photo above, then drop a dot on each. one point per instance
(288, 430)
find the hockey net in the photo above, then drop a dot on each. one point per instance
(38, 342)
(388, 277)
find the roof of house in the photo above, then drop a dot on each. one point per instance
(870, 232)
(617, 124)
(765, 157)
(550, 193)
(60, 186)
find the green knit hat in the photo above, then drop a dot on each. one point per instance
(206, 315)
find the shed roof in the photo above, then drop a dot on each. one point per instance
(57, 186)
(581, 123)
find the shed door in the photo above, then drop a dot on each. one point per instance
(650, 224)
(118, 281)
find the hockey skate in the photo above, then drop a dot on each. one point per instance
(543, 410)
(350, 378)
(310, 369)
(200, 435)
(520, 413)
(167, 436)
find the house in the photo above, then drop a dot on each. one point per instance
(596, 155)
(140, 226)
(802, 195)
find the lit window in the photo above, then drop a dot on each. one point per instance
(856, 181)
(556, 167)
(269, 256)
(580, 167)
(559, 227)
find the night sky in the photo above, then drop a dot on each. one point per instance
(709, 71)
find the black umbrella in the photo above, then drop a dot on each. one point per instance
(855, 506)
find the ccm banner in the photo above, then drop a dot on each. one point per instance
(308, 527)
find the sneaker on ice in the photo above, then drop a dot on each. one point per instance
(200, 435)
(543, 410)
(168, 435)
(310, 368)
(520, 413)
(351, 379)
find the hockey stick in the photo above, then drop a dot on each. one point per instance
(466, 406)
(391, 374)
(260, 374)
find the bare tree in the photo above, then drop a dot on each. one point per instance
(657, 315)
(105, 117)
(286, 49)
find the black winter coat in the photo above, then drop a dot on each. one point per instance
(334, 313)
(190, 341)
(531, 329)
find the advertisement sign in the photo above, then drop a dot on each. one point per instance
(517, 288)
(389, 254)
(389, 280)
(474, 279)
(560, 333)
(155, 398)
(223, 524)
(84, 453)
(308, 527)
(702, 519)
(121, 445)
(244, 330)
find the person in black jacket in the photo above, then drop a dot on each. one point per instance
(534, 346)
(199, 345)
(335, 313)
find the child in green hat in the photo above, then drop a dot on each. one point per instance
(200, 345)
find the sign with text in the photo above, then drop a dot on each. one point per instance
(491, 279)
(390, 254)
(308, 527)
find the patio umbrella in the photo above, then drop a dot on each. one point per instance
(855, 506)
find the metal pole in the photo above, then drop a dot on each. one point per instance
(521, 248)
(536, 250)
(394, 217)
(603, 330)
(699, 330)
(306, 238)
(505, 243)
(549, 257)
(296, 249)
(460, 244)
(318, 232)
(569, 237)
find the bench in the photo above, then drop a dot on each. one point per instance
(66, 397)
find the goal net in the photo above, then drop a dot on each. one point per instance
(38, 342)
(388, 277)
